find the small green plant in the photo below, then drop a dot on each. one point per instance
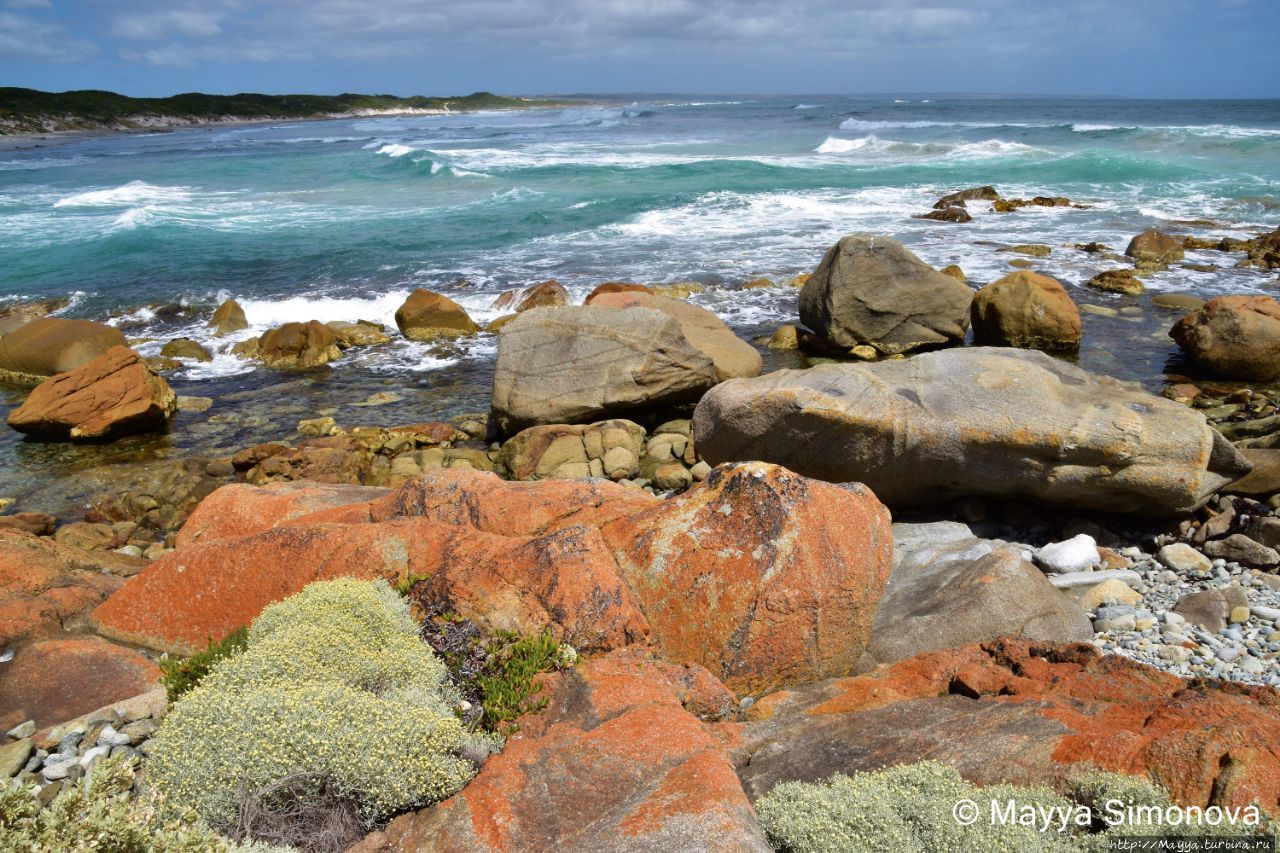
(507, 682)
(404, 586)
(182, 674)
(100, 813)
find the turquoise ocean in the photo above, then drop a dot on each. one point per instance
(342, 219)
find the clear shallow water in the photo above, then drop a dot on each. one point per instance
(340, 220)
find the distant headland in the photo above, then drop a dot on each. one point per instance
(30, 111)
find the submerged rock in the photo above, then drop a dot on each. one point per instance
(185, 348)
(872, 290)
(50, 345)
(987, 193)
(981, 421)
(1237, 336)
(573, 364)
(1117, 281)
(114, 394)
(428, 316)
(1025, 309)
(954, 213)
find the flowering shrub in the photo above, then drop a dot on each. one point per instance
(335, 688)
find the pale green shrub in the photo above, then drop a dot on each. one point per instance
(908, 809)
(335, 688)
(99, 813)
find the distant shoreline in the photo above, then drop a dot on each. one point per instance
(54, 138)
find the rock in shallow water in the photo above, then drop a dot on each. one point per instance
(1237, 336)
(979, 421)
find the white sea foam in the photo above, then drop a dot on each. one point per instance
(889, 148)
(395, 149)
(1093, 128)
(807, 106)
(131, 194)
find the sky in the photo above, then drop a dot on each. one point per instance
(1136, 48)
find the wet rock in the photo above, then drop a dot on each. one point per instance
(576, 364)
(428, 316)
(759, 284)
(194, 405)
(228, 318)
(35, 523)
(361, 333)
(987, 193)
(1154, 249)
(872, 290)
(185, 348)
(1177, 301)
(914, 430)
(543, 295)
(51, 345)
(298, 346)
(954, 271)
(615, 287)
(1236, 336)
(1035, 250)
(679, 289)
(114, 394)
(1028, 310)
(1117, 281)
(953, 213)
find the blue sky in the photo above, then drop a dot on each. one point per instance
(1143, 48)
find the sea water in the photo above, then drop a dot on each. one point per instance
(341, 220)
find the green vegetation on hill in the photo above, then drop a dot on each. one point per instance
(33, 111)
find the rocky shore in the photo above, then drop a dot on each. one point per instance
(910, 549)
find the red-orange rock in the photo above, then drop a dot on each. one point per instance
(54, 680)
(614, 763)
(238, 510)
(616, 287)
(1237, 336)
(762, 576)
(46, 587)
(1025, 712)
(113, 394)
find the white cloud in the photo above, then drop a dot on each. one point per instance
(150, 26)
(25, 38)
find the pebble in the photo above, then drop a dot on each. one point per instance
(23, 730)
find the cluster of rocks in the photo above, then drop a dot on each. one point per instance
(954, 208)
(60, 755)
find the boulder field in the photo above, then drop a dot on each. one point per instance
(977, 421)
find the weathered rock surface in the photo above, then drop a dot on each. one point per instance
(227, 318)
(56, 679)
(987, 193)
(427, 316)
(916, 431)
(872, 290)
(51, 345)
(733, 357)
(952, 213)
(949, 588)
(46, 587)
(358, 334)
(1026, 309)
(1237, 336)
(606, 449)
(1024, 712)
(298, 345)
(185, 348)
(574, 364)
(114, 394)
(543, 295)
(617, 762)
(762, 576)
(600, 565)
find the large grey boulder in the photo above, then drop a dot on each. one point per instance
(949, 588)
(872, 290)
(576, 364)
(978, 421)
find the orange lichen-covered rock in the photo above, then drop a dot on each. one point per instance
(565, 581)
(240, 510)
(613, 763)
(762, 576)
(115, 393)
(1026, 712)
(54, 680)
(45, 586)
